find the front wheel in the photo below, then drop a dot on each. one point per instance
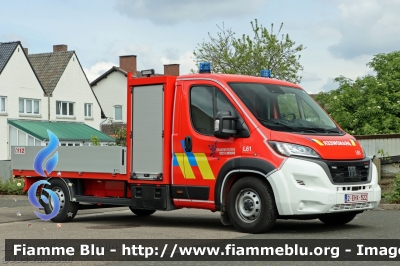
(141, 212)
(337, 218)
(251, 205)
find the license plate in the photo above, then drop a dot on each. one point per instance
(349, 198)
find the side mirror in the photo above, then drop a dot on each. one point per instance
(224, 125)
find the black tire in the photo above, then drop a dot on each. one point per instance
(141, 212)
(251, 205)
(68, 209)
(337, 218)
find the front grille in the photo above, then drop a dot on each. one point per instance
(351, 206)
(349, 172)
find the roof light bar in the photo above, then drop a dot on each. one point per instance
(265, 73)
(147, 72)
(205, 67)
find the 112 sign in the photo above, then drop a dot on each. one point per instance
(19, 150)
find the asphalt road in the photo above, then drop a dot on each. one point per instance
(17, 221)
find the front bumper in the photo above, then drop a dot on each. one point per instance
(302, 187)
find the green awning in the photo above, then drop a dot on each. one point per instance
(65, 131)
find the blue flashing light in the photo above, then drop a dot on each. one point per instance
(205, 67)
(265, 73)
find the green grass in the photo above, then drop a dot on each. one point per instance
(12, 186)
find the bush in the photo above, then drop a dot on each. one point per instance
(12, 186)
(394, 195)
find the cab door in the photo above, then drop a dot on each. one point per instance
(205, 153)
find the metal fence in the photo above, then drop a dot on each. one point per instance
(389, 143)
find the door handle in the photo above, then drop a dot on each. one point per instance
(188, 143)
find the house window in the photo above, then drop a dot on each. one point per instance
(65, 108)
(70, 144)
(88, 109)
(29, 106)
(2, 104)
(118, 113)
(20, 138)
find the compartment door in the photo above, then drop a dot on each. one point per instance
(147, 131)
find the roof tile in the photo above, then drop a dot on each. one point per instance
(6, 51)
(49, 67)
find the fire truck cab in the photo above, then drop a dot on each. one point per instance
(255, 149)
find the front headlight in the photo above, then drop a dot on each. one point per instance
(289, 149)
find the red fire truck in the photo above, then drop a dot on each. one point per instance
(256, 149)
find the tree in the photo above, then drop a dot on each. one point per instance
(95, 141)
(119, 130)
(249, 55)
(370, 104)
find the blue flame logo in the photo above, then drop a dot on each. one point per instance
(32, 198)
(38, 167)
(44, 153)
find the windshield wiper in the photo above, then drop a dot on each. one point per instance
(301, 128)
(275, 122)
(324, 130)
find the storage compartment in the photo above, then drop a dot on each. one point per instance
(147, 132)
(150, 197)
(92, 159)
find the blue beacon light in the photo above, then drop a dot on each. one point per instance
(265, 73)
(205, 67)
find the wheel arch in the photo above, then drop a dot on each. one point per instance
(233, 170)
(72, 190)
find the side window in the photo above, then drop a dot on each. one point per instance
(223, 103)
(288, 107)
(202, 109)
(205, 103)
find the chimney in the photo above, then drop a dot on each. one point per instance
(128, 63)
(171, 70)
(26, 51)
(60, 48)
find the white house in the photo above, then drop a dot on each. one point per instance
(111, 91)
(21, 94)
(45, 91)
(63, 79)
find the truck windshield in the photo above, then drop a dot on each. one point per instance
(284, 108)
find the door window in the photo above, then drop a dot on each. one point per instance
(205, 103)
(202, 109)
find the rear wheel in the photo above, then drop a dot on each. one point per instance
(68, 209)
(141, 212)
(251, 205)
(337, 218)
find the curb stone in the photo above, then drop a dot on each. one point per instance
(389, 206)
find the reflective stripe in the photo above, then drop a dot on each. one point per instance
(353, 142)
(204, 166)
(190, 155)
(187, 160)
(319, 142)
(186, 171)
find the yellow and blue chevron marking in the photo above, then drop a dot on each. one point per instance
(193, 160)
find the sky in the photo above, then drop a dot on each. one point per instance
(340, 36)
